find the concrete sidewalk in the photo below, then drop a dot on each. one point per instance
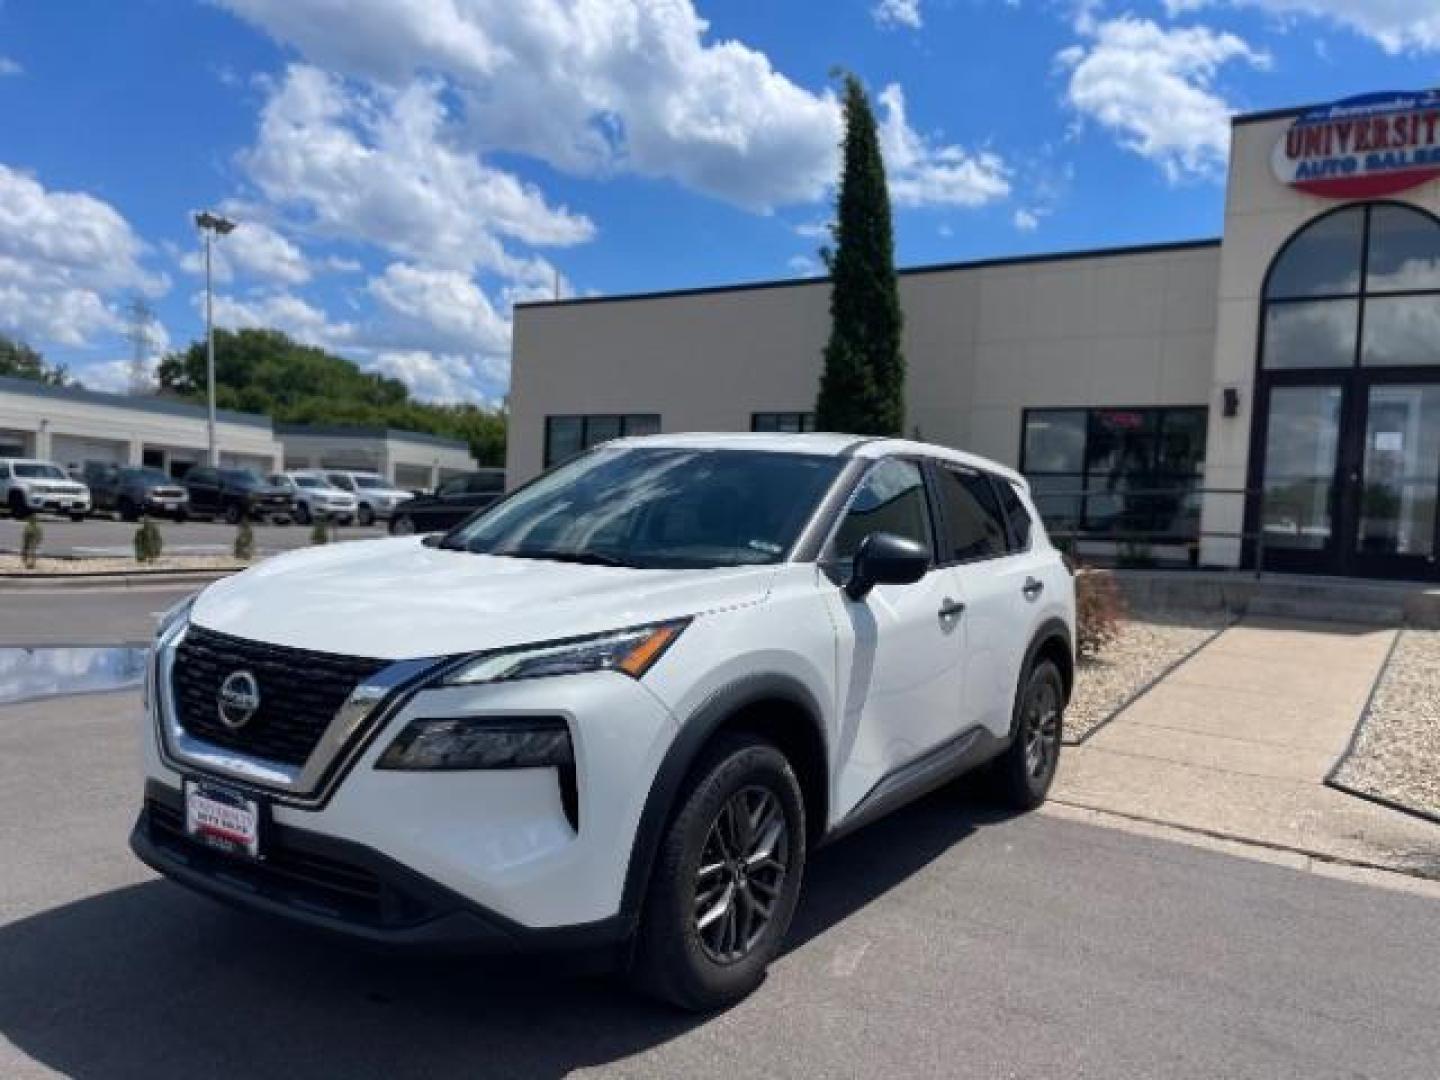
(1237, 741)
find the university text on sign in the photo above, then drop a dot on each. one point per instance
(1362, 147)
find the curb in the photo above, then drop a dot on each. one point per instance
(1332, 777)
(110, 579)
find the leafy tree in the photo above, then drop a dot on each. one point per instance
(20, 361)
(149, 545)
(244, 546)
(862, 388)
(265, 371)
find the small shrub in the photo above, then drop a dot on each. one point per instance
(319, 532)
(1099, 611)
(244, 549)
(148, 543)
(30, 543)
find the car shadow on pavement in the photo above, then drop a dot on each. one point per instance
(152, 981)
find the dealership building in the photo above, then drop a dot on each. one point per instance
(1271, 395)
(72, 426)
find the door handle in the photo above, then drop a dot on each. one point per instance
(951, 609)
(1032, 588)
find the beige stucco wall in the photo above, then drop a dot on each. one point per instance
(407, 462)
(982, 342)
(1261, 214)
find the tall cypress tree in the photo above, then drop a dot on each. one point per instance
(862, 389)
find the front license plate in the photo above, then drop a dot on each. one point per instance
(222, 818)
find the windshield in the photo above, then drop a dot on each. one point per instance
(40, 472)
(657, 507)
(310, 482)
(371, 482)
(240, 476)
(149, 476)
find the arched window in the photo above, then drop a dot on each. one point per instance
(1357, 286)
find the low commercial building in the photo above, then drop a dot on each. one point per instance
(71, 426)
(1271, 396)
(408, 459)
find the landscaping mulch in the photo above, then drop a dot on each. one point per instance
(12, 565)
(1395, 756)
(1148, 647)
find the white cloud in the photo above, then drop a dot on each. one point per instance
(898, 13)
(446, 377)
(63, 258)
(1026, 220)
(804, 266)
(254, 250)
(1396, 25)
(923, 174)
(442, 309)
(814, 230)
(592, 88)
(1154, 89)
(379, 167)
(9, 66)
(284, 311)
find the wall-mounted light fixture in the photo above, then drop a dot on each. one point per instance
(1232, 402)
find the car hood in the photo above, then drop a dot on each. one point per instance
(398, 599)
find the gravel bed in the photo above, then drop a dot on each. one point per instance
(104, 564)
(1397, 754)
(1148, 646)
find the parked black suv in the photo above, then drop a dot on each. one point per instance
(451, 503)
(235, 494)
(132, 491)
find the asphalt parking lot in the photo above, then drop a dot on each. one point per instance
(108, 536)
(946, 940)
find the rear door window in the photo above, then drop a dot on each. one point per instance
(973, 522)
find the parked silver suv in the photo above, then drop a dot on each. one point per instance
(376, 498)
(316, 497)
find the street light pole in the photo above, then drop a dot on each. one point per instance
(211, 226)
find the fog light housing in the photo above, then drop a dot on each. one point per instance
(481, 742)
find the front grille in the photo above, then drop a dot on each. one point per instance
(291, 874)
(300, 692)
(166, 493)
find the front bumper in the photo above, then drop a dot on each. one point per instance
(38, 502)
(513, 843)
(347, 889)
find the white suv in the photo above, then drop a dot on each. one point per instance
(32, 487)
(315, 496)
(616, 709)
(376, 498)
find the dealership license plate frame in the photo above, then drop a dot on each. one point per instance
(223, 831)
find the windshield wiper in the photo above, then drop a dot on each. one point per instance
(588, 558)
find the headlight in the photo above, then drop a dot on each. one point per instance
(481, 742)
(631, 652)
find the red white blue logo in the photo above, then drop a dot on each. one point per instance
(1363, 147)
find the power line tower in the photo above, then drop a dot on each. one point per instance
(140, 333)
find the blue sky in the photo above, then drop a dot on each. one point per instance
(404, 172)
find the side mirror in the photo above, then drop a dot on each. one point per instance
(886, 559)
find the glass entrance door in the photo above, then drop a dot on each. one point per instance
(1396, 533)
(1300, 483)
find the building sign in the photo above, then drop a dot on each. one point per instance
(1362, 147)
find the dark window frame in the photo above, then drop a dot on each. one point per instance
(945, 541)
(1361, 296)
(624, 421)
(1083, 490)
(805, 422)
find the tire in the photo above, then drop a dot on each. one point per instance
(1024, 773)
(365, 515)
(18, 510)
(233, 514)
(703, 969)
(346, 520)
(402, 525)
(302, 513)
(78, 517)
(128, 512)
(181, 516)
